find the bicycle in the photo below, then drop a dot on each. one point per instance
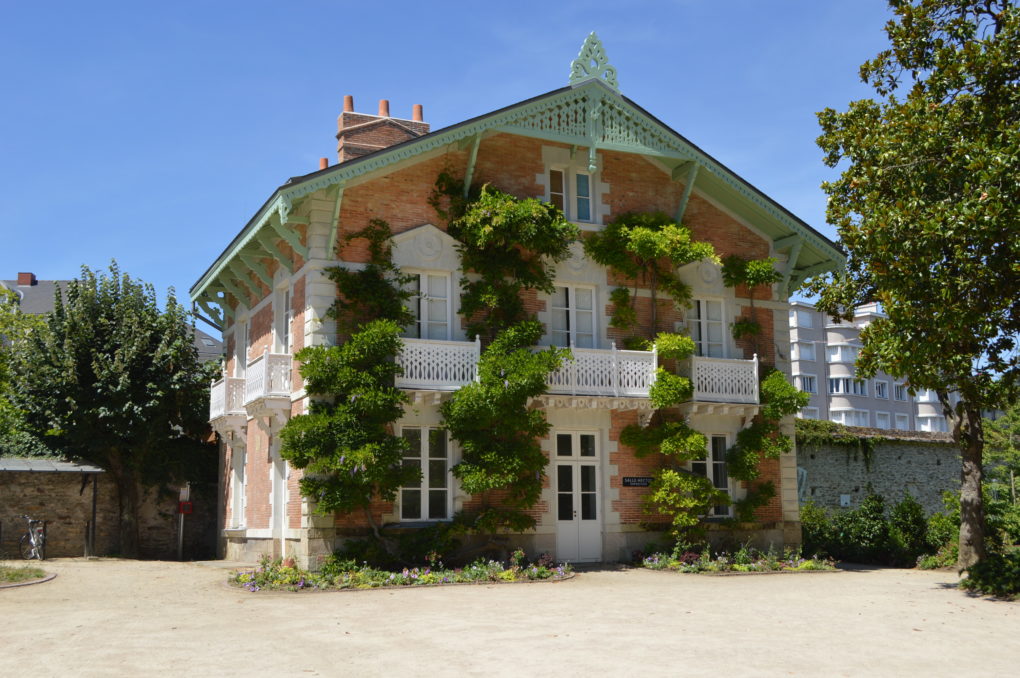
(33, 542)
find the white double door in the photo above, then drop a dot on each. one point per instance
(578, 506)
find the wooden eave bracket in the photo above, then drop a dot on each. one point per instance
(689, 172)
(254, 262)
(265, 239)
(794, 243)
(241, 276)
(472, 157)
(291, 237)
(334, 225)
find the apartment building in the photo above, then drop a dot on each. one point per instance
(822, 356)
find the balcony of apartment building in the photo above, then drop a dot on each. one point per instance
(720, 385)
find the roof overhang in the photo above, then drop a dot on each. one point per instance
(589, 114)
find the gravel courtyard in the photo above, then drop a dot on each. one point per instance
(130, 618)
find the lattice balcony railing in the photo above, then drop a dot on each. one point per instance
(604, 372)
(226, 397)
(721, 380)
(434, 365)
(267, 376)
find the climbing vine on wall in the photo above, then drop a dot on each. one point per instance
(646, 248)
(508, 246)
(345, 443)
(752, 274)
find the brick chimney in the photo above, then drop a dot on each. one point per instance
(359, 134)
(26, 279)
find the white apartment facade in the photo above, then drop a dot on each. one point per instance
(822, 356)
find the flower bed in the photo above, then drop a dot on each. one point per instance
(744, 560)
(339, 574)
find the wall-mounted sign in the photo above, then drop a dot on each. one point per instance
(637, 481)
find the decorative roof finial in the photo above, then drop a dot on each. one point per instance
(591, 62)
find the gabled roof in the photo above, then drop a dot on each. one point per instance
(589, 114)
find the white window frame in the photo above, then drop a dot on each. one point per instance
(711, 462)
(932, 423)
(808, 413)
(927, 395)
(859, 387)
(423, 487)
(282, 316)
(856, 416)
(800, 383)
(881, 389)
(801, 318)
(572, 313)
(421, 322)
(900, 393)
(799, 351)
(838, 353)
(570, 196)
(694, 318)
(905, 419)
(888, 420)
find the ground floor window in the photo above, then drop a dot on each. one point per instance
(429, 453)
(714, 468)
(851, 417)
(902, 422)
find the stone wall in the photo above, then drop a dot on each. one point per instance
(924, 469)
(65, 503)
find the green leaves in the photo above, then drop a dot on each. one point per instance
(510, 243)
(345, 441)
(496, 429)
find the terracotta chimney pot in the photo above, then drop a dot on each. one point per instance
(323, 163)
(348, 103)
(417, 114)
(384, 108)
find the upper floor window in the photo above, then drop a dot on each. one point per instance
(428, 453)
(900, 392)
(572, 316)
(801, 319)
(882, 390)
(932, 424)
(807, 383)
(571, 191)
(850, 417)
(804, 350)
(841, 354)
(848, 386)
(430, 306)
(927, 396)
(881, 420)
(808, 413)
(705, 321)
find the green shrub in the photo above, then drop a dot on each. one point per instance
(862, 535)
(998, 574)
(816, 529)
(907, 532)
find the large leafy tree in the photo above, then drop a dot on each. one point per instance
(15, 329)
(113, 380)
(927, 207)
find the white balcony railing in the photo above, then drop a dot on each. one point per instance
(435, 365)
(267, 376)
(722, 380)
(604, 372)
(447, 365)
(226, 397)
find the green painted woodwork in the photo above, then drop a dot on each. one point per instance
(213, 313)
(791, 263)
(590, 114)
(787, 242)
(254, 262)
(239, 296)
(472, 157)
(691, 176)
(242, 280)
(592, 63)
(265, 240)
(334, 225)
(289, 236)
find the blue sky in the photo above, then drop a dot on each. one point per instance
(151, 132)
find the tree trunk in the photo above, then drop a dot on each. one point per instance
(127, 494)
(972, 511)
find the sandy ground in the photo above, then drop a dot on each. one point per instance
(128, 618)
